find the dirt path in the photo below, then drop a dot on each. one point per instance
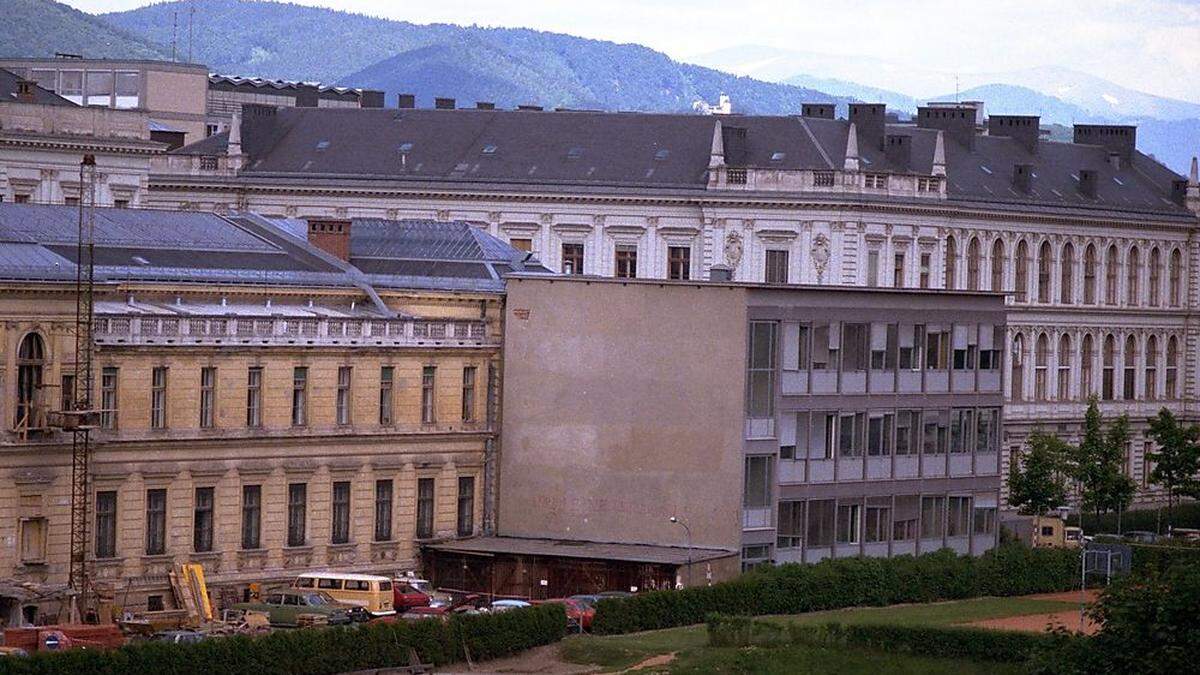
(1036, 623)
(545, 660)
(652, 662)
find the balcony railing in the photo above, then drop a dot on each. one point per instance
(284, 331)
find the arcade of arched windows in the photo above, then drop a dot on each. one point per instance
(1073, 365)
(1067, 271)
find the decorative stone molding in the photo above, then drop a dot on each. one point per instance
(734, 248)
(820, 254)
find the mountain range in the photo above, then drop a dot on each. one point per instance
(512, 66)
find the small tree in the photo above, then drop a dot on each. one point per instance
(1177, 461)
(1114, 488)
(1082, 460)
(1035, 485)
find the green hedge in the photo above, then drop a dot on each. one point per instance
(974, 644)
(848, 582)
(316, 650)
(1151, 520)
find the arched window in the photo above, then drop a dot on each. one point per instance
(1175, 277)
(1151, 379)
(1041, 365)
(1045, 262)
(998, 262)
(1018, 368)
(1067, 277)
(31, 357)
(1155, 277)
(1129, 391)
(1021, 284)
(1109, 374)
(1133, 272)
(951, 263)
(1086, 364)
(1064, 368)
(973, 264)
(1112, 272)
(1089, 275)
(1172, 379)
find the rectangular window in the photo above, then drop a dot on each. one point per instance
(777, 267)
(987, 430)
(208, 397)
(985, 520)
(33, 540)
(466, 506)
(907, 432)
(158, 398)
(156, 522)
(756, 492)
(936, 427)
(884, 342)
(790, 528)
(468, 394)
(202, 520)
(99, 88)
(108, 398)
(760, 397)
(848, 523)
(387, 379)
(297, 527)
(424, 508)
(299, 396)
(820, 523)
(343, 395)
(879, 435)
(933, 517)
(72, 86)
(127, 89)
(850, 430)
(254, 381)
(428, 411)
(856, 345)
(572, 258)
(626, 261)
(383, 510)
(958, 516)
(679, 262)
(67, 392)
(898, 271)
(925, 263)
(911, 339)
(525, 245)
(251, 517)
(873, 268)
(106, 524)
(962, 423)
(341, 513)
(878, 523)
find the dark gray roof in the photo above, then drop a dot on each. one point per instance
(38, 242)
(575, 548)
(8, 91)
(608, 151)
(217, 144)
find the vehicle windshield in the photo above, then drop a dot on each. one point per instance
(319, 599)
(422, 587)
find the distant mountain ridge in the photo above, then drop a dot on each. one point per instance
(39, 28)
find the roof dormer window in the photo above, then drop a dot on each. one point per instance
(489, 149)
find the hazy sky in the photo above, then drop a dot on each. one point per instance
(1151, 45)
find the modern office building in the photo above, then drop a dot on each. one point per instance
(776, 423)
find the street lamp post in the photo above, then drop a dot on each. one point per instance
(688, 531)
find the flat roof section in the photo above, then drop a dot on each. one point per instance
(571, 548)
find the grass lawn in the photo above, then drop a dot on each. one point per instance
(616, 652)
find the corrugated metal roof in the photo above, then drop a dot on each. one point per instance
(573, 548)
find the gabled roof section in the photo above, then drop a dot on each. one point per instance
(8, 91)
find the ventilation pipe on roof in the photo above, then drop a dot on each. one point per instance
(851, 163)
(939, 155)
(1087, 183)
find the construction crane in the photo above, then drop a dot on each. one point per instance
(80, 419)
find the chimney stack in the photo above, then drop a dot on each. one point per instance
(821, 111)
(443, 103)
(958, 121)
(331, 236)
(527, 106)
(1120, 139)
(406, 101)
(485, 105)
(871, 121)
(370, 98)
(1024, 129)
(25, 90)
(1087, 183)
(1022, 177)
(1179, 189)
(899, 150)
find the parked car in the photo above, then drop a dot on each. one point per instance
(1141, 536)
(467, 604)
(285, 607)
(407, 594)
(372, 593)
(177, 637)
(614, 594)
(506, 605)
(580, 612)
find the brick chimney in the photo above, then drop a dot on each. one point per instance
(1087, 183)
(443, 103)
(870, 119)
(1120, 139)
(331, 236)
(1022, 177)
(25, 89)
(822, 111)
(407, 101)
(958, 121)
(1024, 129)
(485, 105)
(899, 150)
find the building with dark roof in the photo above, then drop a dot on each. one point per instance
(266, 405)
(1091, 239)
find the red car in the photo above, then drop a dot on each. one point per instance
(579, 612)
(409, 593)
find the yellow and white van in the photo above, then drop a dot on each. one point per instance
(372, 593)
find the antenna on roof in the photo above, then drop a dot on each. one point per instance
(956, 94)
(174, 32)
(191, 19)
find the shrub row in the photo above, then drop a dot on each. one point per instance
(1150, 520)
(316, 650)
(1012, 569)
